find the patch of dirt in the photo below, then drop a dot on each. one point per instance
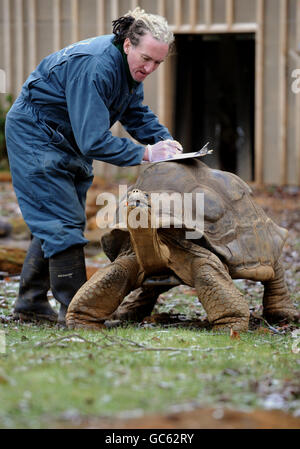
(201, 418)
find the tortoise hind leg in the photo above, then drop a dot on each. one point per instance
(139, 303)
(277, 304)
(224, 304)
(100, 296)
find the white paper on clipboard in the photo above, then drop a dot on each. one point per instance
(203, 152)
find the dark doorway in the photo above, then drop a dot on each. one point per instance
(215, 79)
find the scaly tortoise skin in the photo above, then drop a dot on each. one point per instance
(238, 241)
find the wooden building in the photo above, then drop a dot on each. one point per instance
(234, 79)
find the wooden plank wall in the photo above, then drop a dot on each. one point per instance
(24, 44)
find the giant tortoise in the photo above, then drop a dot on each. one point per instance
(206, 248)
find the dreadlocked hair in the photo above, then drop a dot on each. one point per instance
(121, 27)
(136, 23)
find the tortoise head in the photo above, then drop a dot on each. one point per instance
(138, 210)
(138, 198)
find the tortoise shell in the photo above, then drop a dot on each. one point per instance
(235, 228)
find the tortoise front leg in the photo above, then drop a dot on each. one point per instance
(100, 296)
(224, 304)
(277, 304)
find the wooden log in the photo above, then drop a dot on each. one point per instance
(11, 260)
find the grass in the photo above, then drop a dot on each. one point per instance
(49, 374)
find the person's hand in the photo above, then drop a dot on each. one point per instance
(165, 149)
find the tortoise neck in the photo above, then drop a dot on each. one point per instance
(151, 253)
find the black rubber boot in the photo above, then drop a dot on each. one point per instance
(67, 275)
(32, 303)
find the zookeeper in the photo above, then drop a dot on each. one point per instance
(58, 125)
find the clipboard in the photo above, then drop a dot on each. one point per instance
(202, 152)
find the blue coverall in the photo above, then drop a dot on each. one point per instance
(60, 123)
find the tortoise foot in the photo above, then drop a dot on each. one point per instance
(232, 324)
(80, 322)
(276, 315)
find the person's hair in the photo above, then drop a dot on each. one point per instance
(137, 23)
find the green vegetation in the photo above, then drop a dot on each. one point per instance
(48, 375)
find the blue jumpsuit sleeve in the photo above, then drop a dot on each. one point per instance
(88, 107)
(141, 123)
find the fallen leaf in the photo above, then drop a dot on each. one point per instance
(234, 334)
(3, 377)
(156, 338)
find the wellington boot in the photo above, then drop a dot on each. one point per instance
(32, 303)
(67, 275)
